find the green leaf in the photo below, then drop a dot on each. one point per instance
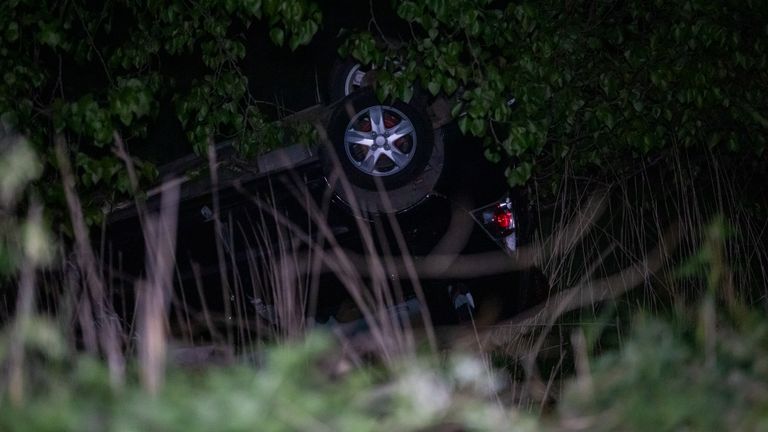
(406, 93)
(277, 35)
(408, 10)
(477, 127)
(253, 7)
(433, 88)
(492, 155)
(464, 124)
(449, 85)
(456, 110)
(50, 37)
(126, 117)
(520, 174)
(12, 32)
(604, 114)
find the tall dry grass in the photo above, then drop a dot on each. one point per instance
(607, 250)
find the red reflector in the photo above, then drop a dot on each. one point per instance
(503, 219)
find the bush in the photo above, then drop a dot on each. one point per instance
(600, 87)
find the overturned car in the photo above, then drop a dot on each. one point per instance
(373, 216)
(324, 233)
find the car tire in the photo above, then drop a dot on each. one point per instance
(374, 141)
(346, 77)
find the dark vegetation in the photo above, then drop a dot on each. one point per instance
(636, 130)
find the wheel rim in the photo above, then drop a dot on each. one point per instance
(380, 141)
(354, 80)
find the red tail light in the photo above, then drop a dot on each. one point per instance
(498, 221)
(503, 218)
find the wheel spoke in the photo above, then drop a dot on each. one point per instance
(402, 129)
(399, 158)
(369, 163)
(357, 137)
(377, 119)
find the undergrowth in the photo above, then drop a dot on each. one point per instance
(652, 322)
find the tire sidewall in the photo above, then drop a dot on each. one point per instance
(338, 79)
